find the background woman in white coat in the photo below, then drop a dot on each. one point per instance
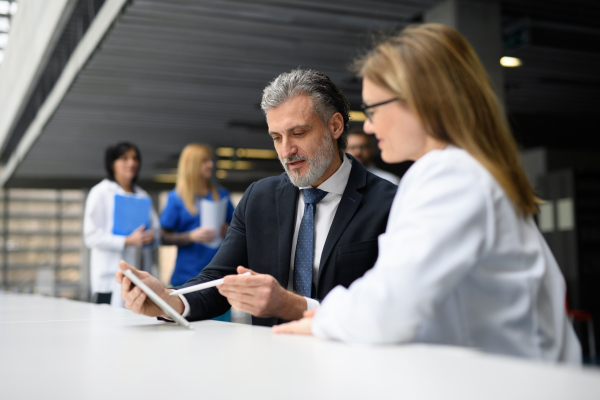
(462, 261)
(122, 162)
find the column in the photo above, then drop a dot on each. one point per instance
(480, 22)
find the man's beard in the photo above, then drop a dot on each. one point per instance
(317, 164)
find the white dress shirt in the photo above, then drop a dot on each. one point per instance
(458, 266)
(107, 249)
(324, 214)
(326, 208)
(388, 176)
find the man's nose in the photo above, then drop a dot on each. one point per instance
(288, 148)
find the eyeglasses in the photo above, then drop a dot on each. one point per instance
(366, 108)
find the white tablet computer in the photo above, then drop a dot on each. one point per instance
(157, 300)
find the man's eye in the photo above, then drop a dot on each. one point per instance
(276, 138)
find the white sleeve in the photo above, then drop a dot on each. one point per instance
(186, 306)
(311, 304)
(96, 233)
(435, 235)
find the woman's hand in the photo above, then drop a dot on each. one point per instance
(202, 235)
(301, 327)
(140, 237)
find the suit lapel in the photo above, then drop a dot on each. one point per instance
(285, 203)
(346, 209)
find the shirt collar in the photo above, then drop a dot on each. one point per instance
(337, 182)
(120, 190)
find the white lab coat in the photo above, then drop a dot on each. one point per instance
(456, 266)
(107, 249)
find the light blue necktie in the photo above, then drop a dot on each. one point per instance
(303, 261)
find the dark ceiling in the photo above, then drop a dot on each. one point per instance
(171, 72)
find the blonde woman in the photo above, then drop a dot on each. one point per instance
(462, 261)
(180, 219)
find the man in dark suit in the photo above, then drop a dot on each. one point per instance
(300, 234)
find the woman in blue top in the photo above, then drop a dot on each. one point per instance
(180, 219)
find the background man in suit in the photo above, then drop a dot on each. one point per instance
(360, 146)
(298, 244)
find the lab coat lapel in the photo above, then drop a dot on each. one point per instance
(348, 205)
(286, 200)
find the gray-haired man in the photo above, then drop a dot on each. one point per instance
(301, 233)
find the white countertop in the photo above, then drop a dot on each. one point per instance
(55, 348)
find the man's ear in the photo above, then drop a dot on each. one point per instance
(336, 125)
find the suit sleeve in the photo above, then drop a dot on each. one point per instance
(208, 303)
(230, 210)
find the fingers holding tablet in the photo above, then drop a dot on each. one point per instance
(147, 306)
(137, 300)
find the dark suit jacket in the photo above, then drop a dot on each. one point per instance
(261, 233)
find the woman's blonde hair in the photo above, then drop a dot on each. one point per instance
(436, 73)
(189, 181)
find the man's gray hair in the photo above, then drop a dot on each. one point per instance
(327, 98)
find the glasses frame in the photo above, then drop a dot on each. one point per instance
(366, 108)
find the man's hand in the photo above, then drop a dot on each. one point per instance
(202, 235)
(301, 327)
(261, 296)
(137, 301)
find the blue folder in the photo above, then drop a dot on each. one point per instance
(130, 213)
